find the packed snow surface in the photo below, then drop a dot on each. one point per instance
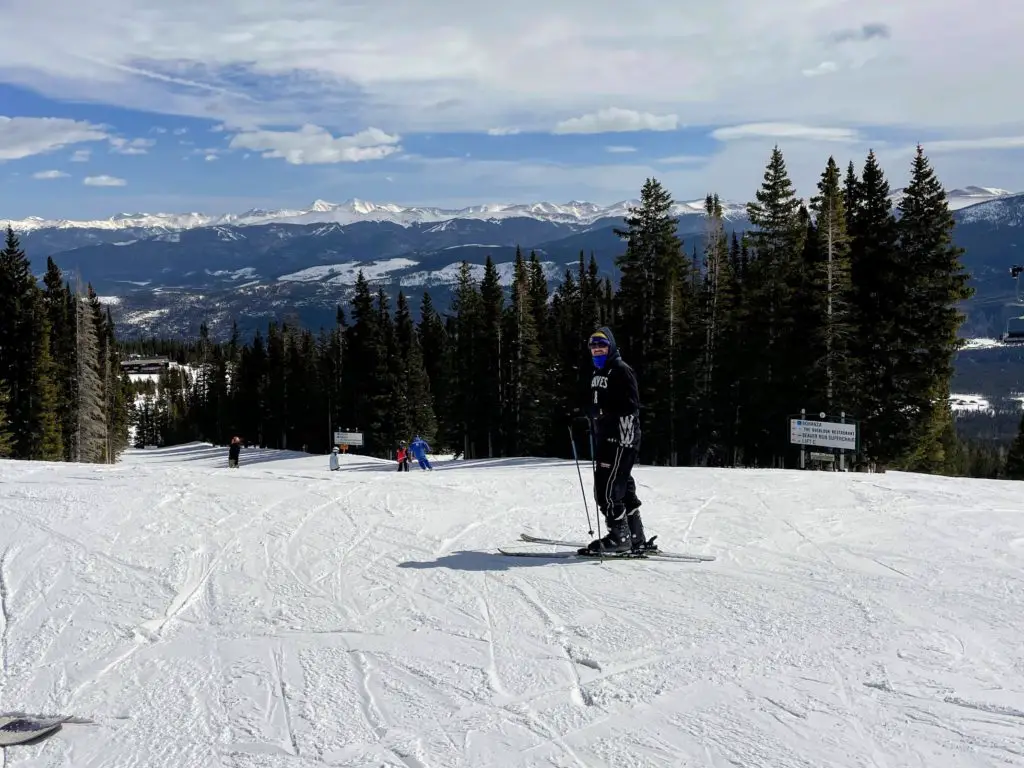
(283, 615)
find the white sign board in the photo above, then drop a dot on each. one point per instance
(823, 434)
(348, 438)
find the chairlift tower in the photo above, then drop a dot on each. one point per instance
(1016, 336)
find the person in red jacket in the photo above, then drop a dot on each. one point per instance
(403, 457)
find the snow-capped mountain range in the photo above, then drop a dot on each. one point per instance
(355, 210)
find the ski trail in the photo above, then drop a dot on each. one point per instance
(5, 614)
(285, 701)
(693, 519)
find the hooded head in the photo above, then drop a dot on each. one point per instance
(334, 449)
(602, 346)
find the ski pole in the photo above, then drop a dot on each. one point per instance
(593, 469)
(583, 491)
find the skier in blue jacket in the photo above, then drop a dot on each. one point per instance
(418, 448)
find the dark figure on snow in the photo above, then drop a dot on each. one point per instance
(403, 457)
(614, 413)
(234, 451)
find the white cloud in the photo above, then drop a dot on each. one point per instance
(957, 145)
(312, 144)
(825, 68)
(103, 181)
(130, 146)
(26, 136)
(409, 66)
(682, 159)
(210, 158)
(783, 131)
(619, 149)
(502, 131)
(81, 156)
(615, 120)
(50, 175)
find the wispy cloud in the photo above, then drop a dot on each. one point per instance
(312, 145)
(50, 175)
(783, 131)
(104, 181)
(615, 120)
(26, 136)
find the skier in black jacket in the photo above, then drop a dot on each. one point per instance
(614, 413)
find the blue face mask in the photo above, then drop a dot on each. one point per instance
(599, 360)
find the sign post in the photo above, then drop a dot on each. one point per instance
(841, 434)
(348, 438)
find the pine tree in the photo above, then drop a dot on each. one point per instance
(935, 283)
(524, 404)
(878, 295)
(653, 270)
(435, 349)
(491, 347)
(467, 358)
(58, 302)
(830, 292)
(777, 244)
(1014, 467)
(6, 438)
(90, 438)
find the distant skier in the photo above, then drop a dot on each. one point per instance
(402, 456)
(334, 459)
(614, 414)
(234, 451)
(418, 447)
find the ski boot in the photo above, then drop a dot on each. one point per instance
(640, 542)
(616, 542)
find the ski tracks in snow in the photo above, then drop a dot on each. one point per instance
(298, 617)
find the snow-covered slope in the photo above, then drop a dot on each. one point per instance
(283, 615)
(962, 197)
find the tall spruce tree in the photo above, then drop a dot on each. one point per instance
(829, 292)
(1014, 468)
(524, 404)
(649, 300)
(936, 284)
(468, 357)
(879, 302)
(6, 437)
(90, 438)
(777, 243)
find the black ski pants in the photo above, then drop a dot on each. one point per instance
(614, 487)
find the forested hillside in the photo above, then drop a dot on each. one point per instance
(839, 307)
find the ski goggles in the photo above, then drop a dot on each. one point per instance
(599, 341)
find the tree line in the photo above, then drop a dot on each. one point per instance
(845, 305)
(62, 393)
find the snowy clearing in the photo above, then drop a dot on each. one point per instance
(284, 615)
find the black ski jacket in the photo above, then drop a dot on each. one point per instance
(614, 407)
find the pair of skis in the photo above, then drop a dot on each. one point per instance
(647, 554)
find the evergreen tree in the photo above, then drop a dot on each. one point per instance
(829, 292)
(524, 405)
(878, 296)
(90, 438)
(653, 270)
(935, 282)
(1014, 469)
(467, 317)
(491, 347)
(775, 273)
(413, 379)
(6, 437)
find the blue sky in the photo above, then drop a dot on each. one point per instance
(112, 106)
